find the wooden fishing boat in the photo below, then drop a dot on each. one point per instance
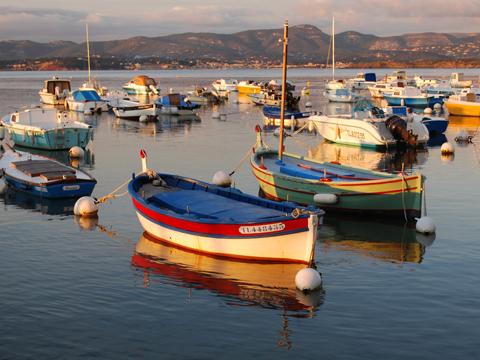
(266, 284)
(332, 186)
(222, 221)
(133, 110)
(293, 118)
(44, 177)
(47, 129)
(141, 85)
(336, 187)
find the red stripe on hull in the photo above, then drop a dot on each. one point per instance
(293, 225)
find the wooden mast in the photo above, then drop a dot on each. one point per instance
(88, 54)
(333, 48)
(284, 88)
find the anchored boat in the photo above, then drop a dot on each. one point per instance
(141, 85)
(369, 126)
(176, 104)
(133, 110)
(47, 129)
(44, 177)
(55, 91)
(86, 101)
(222, 221)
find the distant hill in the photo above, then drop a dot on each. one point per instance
(307, 44)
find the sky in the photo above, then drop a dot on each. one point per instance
(51, 20)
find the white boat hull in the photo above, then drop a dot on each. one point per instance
(87, 106)
(296, 247)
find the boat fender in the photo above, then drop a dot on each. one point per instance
(425, 225)
(308, 104)
(86, 206)
(76, 152)
(221, 178)
(437, 107)
(325, 198)
(447, 149)
(308, 279)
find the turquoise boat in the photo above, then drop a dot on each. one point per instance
(47, 129)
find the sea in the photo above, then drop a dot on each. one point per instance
(101, 289)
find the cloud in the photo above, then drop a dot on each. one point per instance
(48, 22)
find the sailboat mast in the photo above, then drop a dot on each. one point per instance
(88, 52)
(284, 88)
(333, 48)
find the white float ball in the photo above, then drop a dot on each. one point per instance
(76, 152)
(85, 206)
(308, 279)
(425, 225)
(221, 178)
(427, 110)
(308, 104)
(447, 148)
(215, 115)
(143, 118)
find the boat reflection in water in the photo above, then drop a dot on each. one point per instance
(165, 123)
(267, 285)
(391, 242)
(389, 161)
(11, 196)
(469, 124)
(87, 162)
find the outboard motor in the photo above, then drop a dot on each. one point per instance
(398, 128)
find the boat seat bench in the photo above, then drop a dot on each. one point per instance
(203, 204)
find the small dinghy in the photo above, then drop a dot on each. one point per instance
(222, 221)
(133, 110)
(42, 176)
(293, 118)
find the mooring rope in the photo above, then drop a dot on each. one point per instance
(112, 195)
(239, 165)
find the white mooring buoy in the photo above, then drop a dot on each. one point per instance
(143, 118)
(76, 152)
(308, 104)
(425, 225)
(428, 111)
(308, 279)
(85, 206)
(221, 178)
(447, 149)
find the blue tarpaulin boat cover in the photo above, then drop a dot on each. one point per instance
(370, 77)
(85, 95)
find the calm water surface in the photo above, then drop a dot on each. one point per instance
(100, 289)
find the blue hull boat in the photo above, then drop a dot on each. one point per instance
(44, 177)
(435, 126)
(176, 104)
(274, 112)
(415, 102)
